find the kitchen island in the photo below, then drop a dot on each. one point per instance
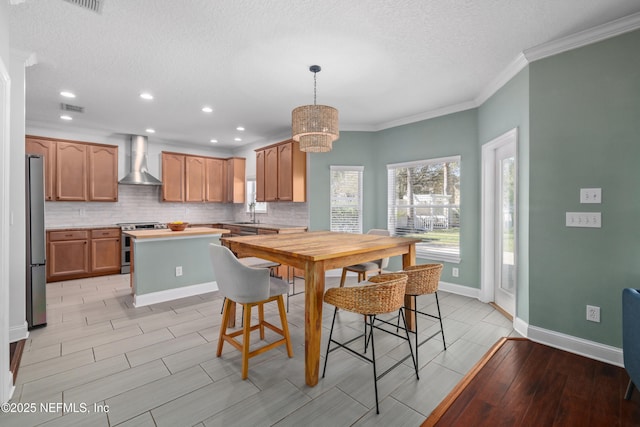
(167, 265)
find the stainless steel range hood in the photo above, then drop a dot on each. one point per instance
(139, 174)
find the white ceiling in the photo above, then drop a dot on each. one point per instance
(383, 62)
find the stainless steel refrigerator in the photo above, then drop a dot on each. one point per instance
(36, 241)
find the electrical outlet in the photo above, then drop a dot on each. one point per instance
(455, 272)
(179, 270)
(593, 313)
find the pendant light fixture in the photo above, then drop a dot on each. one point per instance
(315, 126)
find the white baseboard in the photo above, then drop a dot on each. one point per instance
(172, 294)
(459, 290)
(17, 333)
(590, 349)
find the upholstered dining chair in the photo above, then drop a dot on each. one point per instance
(631, 337)
(250, 287)
(367, 267)
(381, 294)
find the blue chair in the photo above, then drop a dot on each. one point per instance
(631, 337)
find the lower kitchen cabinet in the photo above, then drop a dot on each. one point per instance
(75, 254)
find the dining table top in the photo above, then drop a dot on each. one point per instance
(320, 245)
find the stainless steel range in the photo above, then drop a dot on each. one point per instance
(125, 268)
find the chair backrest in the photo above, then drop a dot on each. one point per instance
(383, 293)
(631, 333)
(384, 262)
(236, 281)
(423, 278)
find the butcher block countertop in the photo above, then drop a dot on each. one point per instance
(165, 233)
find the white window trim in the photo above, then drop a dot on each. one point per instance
(422, 252)
(359, 169)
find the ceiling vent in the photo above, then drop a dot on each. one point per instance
(72, 108)
(92, 5)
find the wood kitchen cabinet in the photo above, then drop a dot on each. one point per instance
(215, 188)
(47, 149)
(79, 253)
(105, 251)
(103, 173)
(173, 173)
(281, 169)
(77, 171)
(236, 181)
(67, 254)
(195, 170)
(187, 178)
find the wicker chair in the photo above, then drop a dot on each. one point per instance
(367, 267)
(422, 280)
(250, 287)
(382, 294)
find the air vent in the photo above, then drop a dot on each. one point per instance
(92, 5)
(73, 108)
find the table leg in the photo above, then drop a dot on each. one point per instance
(314, 293)
(409, 259)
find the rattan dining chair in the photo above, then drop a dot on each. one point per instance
(367, 267)
(250, 287)
(382, 294)
(422, 280)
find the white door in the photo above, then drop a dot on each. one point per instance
(505, 229)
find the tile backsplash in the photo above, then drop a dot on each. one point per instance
(141, 203)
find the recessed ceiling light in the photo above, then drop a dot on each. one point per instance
(240, 128)
(66, 117)
(214, 141)
(207, 109)
(237, 139)
(146, 95)
(68, 94)
(149, 130)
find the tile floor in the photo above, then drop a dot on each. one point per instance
(102, 362)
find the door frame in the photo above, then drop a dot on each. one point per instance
(6, 379)
(488, 203)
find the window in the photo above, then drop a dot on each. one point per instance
(424, 202)
(346, 198)
(261, 207)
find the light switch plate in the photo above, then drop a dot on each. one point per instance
(584, 219)
(590, 195)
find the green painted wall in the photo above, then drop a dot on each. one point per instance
(507, 109)
(585, 132)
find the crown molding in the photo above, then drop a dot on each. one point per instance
(428, 115)
(503, 78)
(584, 38)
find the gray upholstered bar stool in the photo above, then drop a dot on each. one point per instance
(251, 287)
(367, 267)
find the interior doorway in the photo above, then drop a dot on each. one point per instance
(499, 221)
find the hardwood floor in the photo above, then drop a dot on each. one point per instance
(157, 365)
(528, 384)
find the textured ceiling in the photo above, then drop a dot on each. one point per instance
(382, 61)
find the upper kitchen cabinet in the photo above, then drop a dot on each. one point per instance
(236, 181)
(195, 169)
(77, 171)
(215, 188)
(103, 173)
(187, 178)
(173, 173)
(281, 173)
(47, 149)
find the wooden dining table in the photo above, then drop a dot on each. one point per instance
(316, 252)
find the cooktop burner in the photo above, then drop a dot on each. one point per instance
(128, 226)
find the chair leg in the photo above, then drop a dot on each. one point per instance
(415, 325)
(373, 358)
(285, 325)
(223, 326)
(344, 277)
(406, 331)
(326, 356)
(630, 386)
(440, 319)
(261, 320)
(246, 340)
